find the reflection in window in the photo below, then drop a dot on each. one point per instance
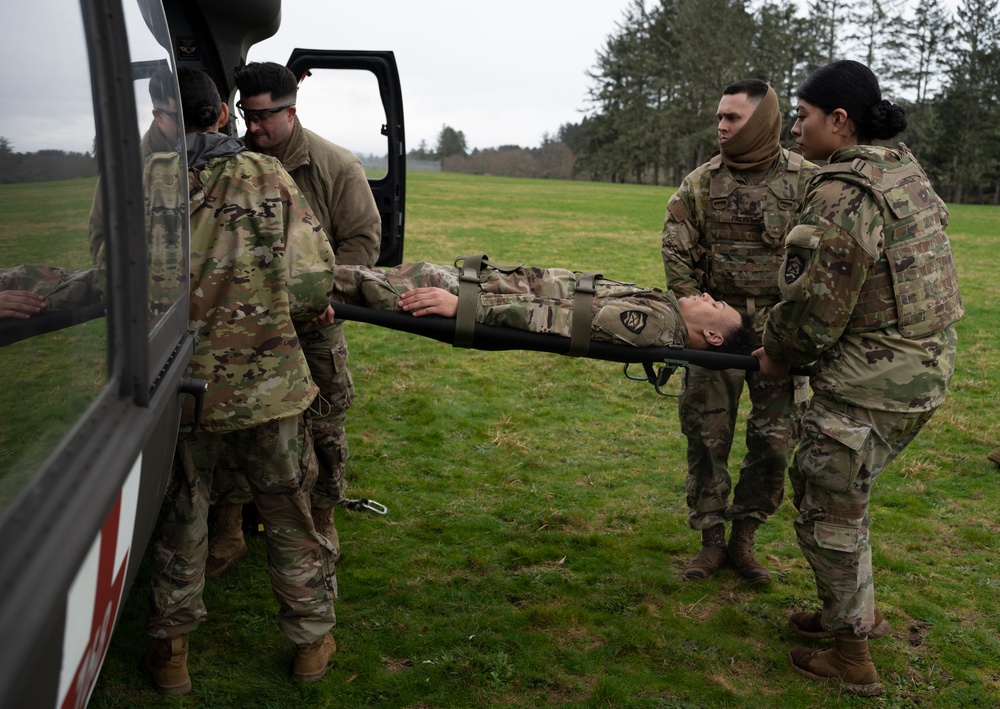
(161, 126)
(48, 171)
(55, 363)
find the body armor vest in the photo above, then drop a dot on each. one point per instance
(746, 229)
(914, 284)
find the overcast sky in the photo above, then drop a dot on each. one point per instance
(501, 72)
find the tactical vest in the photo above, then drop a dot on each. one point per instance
(746, 227)
(914, 284)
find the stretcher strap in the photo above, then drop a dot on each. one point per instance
(468, 297)
(583, 314)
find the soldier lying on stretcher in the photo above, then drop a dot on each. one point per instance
(524, 298)
(542, 300)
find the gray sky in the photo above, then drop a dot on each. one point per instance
(501, 72)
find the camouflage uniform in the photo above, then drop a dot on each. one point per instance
(259, 262)
(152, 141)
(63, 288)
(531, 299)
(723, 234)
(870, 293)
(334, 184)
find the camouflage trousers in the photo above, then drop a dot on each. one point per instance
(278, 456)
(708, 405)
(326, 353)
(843, 450)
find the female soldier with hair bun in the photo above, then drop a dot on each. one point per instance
(870, 295)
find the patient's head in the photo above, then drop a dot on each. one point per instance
(715, 325)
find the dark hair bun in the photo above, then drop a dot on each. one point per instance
(885, 120)
(206, 115)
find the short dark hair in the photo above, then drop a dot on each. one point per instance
(200, 99)
(161, 86)
(852, 86)
(266, 78)
(755, 89)
(741, 340)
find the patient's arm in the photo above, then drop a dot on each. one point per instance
(20, 304)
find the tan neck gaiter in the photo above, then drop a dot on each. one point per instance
(755, 146)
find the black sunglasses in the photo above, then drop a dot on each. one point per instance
(169, 114)
(259, 114)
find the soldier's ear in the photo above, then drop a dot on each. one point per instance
(223, 116)
(713, 337)
(841, 122)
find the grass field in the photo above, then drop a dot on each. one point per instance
(48, 381)
(537, 520)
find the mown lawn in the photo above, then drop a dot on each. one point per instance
(537, 521)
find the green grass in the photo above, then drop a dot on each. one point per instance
(537, 521)
(48, 381)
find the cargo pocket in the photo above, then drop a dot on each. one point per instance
(836, 447)
(341, 392)
(838, 537)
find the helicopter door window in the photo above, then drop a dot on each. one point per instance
(345, 107)
(48, 176)
(160, 124)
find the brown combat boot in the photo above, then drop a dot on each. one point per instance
(808, 625)
(311, 659)
(166, 660)
(226, 545)
(848, 662)
(323, 519)
(740, 551)
(994, 456)
(710, 558)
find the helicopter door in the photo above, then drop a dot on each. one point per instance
(375, 123)
(90, 399)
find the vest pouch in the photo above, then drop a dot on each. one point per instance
(924, 276)
(745, 268)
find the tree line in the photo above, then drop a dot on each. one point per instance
(658, 78)
(43, 165)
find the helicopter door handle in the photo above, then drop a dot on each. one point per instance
(197, 389)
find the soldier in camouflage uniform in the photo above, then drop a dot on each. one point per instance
(542, 300)
(259, 266)
(723, 234)
(870, 295)
(160, 137)
(334, 183)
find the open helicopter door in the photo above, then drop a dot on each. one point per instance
(327, 79)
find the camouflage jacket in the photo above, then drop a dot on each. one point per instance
(830, 254)
(259, 262)
(336, 188)
(530, 299)
(739, 264)
(153, 141)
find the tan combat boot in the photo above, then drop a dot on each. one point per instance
(848, 662)
(166, 660)
(740, 551)
(710, 558)
(808, 625)
(323, 519)
(226, 544)
(311, 659)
